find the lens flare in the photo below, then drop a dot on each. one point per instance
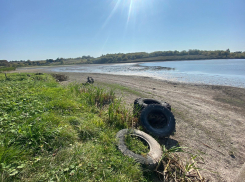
(111, 14)
(129, 10)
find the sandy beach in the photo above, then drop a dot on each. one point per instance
(210, 120)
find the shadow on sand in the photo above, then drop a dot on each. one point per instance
(168, 142)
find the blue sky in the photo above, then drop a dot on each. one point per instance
(43, 29)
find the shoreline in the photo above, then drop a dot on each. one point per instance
(170, 78)
(174, 60)
(136, 62)
(206, 115)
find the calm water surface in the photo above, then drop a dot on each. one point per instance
(215, 72)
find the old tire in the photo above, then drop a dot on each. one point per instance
(141, 103)
(157, 120)
(151, 159)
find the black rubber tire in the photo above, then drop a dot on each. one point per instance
(141, 103)
(154, 155)
(163, 126)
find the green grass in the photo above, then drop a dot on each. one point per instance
(123, 89)
(7, 69)
(55, 133)
(137, 145)
(50, 132)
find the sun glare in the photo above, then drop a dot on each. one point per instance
(112, 12)
(129, 10)
(131, 7)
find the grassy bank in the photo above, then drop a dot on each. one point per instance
(7, 69)
(50, 132)
(55, 133)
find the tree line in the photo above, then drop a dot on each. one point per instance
(169, 55)
(192, 54)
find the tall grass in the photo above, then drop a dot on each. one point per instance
(97, 96)
(172, 168)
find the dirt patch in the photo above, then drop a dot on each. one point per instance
(209, 119)
(231, 95)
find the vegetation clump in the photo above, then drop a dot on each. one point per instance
(60, 77)
(136, 145)
(172, 168)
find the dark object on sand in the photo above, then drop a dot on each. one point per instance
(141, 103)
(157, 120)
(90, 80)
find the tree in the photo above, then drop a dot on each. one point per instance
(4, 63)
(49, 60)
(119, 58)
(227, 52)
(29, 62)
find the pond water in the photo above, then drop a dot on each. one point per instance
(229, 72)
(215, 72)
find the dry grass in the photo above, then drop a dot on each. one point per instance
(172, 168)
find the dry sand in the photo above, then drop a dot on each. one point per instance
(210, 120)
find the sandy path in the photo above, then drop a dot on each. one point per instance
(210, 120)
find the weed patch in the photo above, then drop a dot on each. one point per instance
(172, 168)
(136, 145)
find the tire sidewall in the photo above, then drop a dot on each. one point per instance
(162, 132)
(142, 102)
(153, 156)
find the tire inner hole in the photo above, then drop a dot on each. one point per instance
(137, 145)
(157, 119)
(151, 102)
